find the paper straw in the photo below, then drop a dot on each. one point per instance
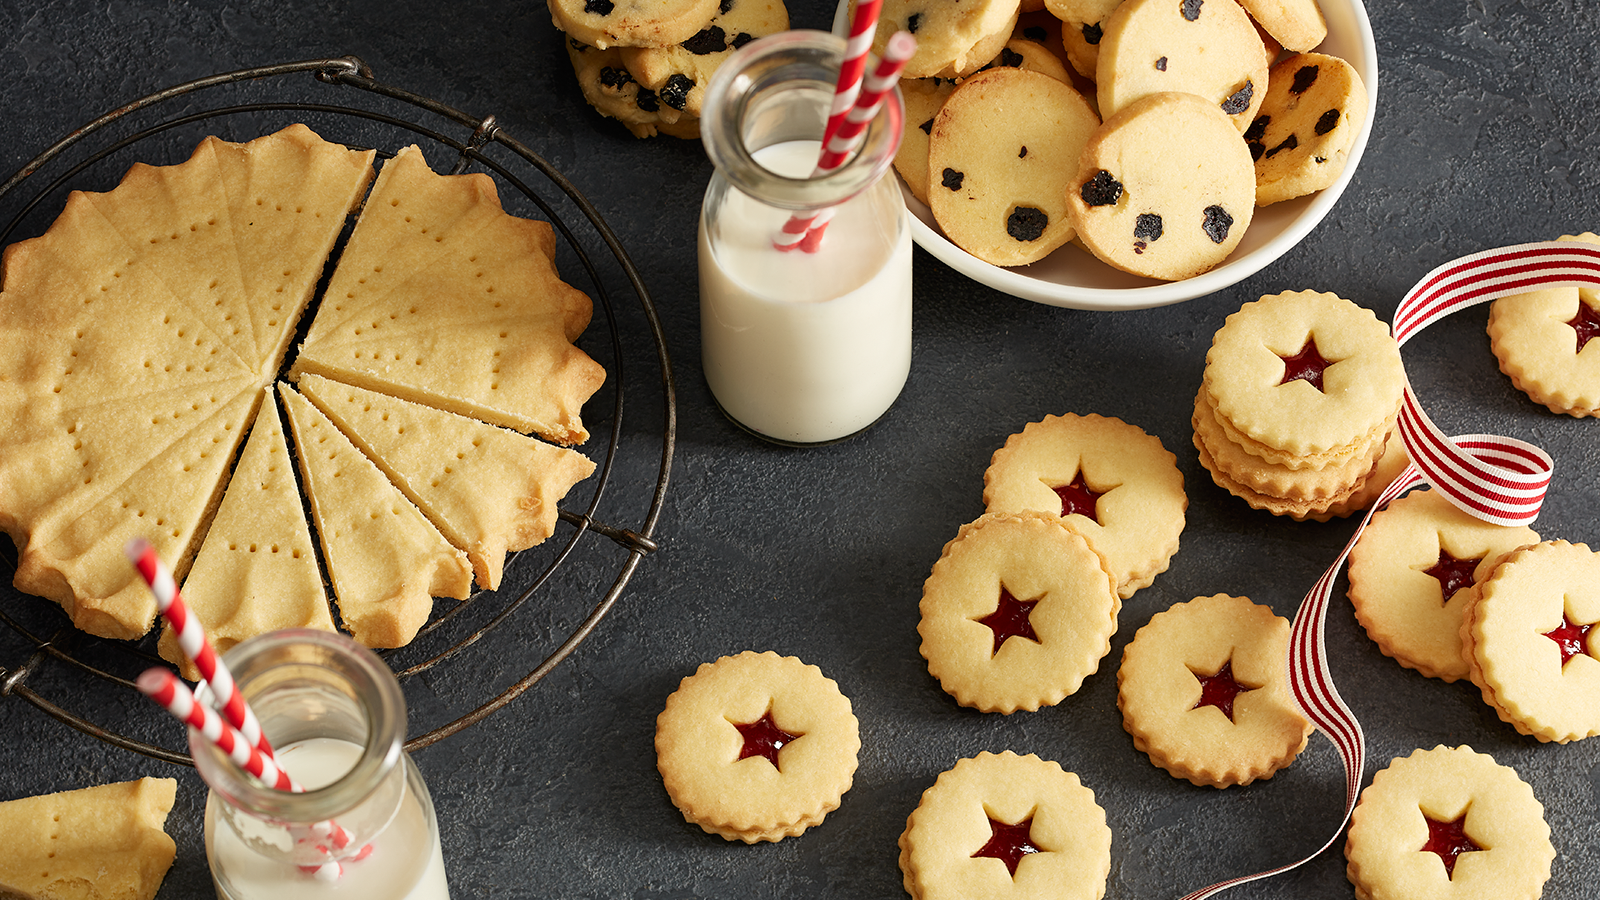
(164, 688)
(854, 65)
(192, 639)
(805, 232)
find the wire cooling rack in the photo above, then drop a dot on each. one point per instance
(473, 657)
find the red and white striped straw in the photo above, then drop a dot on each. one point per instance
(164, 688)
(805, 232)
(192, 639)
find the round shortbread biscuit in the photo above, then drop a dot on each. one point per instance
(631, 23)
(1209, 49)
(725, 780)
(1021, 53)
(957, 845)
(680, 73)
(1530, 644)
(1164, 189)
(1546, 344)
(1203, 692)
(954, 37)
(1302, 135)
(1297, 25)
(1256, 355)
(1409, 574)
(999, 159)
(1017, 612)
(1273, 479)
(1127, 484)
(1417, 812)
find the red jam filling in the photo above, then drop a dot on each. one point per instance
(1452, 574)
(1078, 498)
(1220, 690)
(764, 738)
(1586, 323)
(1009, 843)
(1307, 365)
(1449, 840)
(1010, 619)
(1570, 638)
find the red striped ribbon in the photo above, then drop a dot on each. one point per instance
(1497, 479)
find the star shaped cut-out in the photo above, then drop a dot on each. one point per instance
(1452, 574)
(1570, 637)
(1449, 840)
(1077, 497)
(1010, 619)
(1009, 843)
(764, 738)
(1307, 365)
(1220, 690)
(1586, 323)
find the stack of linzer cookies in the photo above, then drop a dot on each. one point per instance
(1299, 395)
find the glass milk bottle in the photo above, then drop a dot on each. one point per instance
(336, 718)
(798, 347)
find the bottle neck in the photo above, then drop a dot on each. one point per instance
(305, 685)
(780, 89)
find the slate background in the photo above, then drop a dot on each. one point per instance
(1484, 135)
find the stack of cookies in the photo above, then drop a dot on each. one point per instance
(646, 63)
(1298, 404)
(1109, 88)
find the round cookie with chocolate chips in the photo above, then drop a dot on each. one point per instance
(1165, 189)
(631, 23)
(1298, 25)
(923, 98)
(613, 91)
(998, 180)
(1083, 25)
(1301, 138)
(679, 73)
(954, 37)
(1208, 48)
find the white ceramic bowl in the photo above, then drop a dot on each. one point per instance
(1072, 278)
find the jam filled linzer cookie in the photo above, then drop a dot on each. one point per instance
(756, 747)
(631, 23)
(997, 181)
(1017, 612)
(679, 74)
(1203, 691)
(1302, 135)
(954, 38)
(1164, 189)
(1119, 487)
(1545, 342)
(1304, 379)
(1003, 825)
(1210, 50)
(1411, 572)
(1530, 642)
(1448, 823)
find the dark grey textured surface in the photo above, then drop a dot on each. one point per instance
(1484, 135)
